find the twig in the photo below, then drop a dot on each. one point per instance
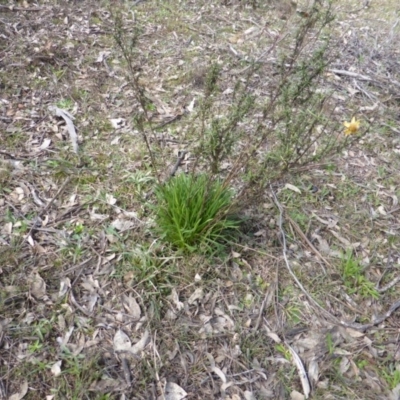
(170, 121)
(355, 326)
(284, 252)
(181, 157)
(48, 205)
(127, 371)
(392, 128)
(388, 285)
(267, 298)
(246, 248)
(75, 267)
(351, 74)
(377, 320)
(310, 245)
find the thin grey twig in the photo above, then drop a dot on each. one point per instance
(356, 326)
(181, 157)
(388, 285)
(267, 299)
(289, 268)
(351, 74)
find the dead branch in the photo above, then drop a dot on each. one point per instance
(351, 74)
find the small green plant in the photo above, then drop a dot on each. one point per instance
(66, 104)
(154, 273)
(194, 211)
(281, 348)
(392, 375)
(329, 344)
(354, 279)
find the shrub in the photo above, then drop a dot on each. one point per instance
(246, 137)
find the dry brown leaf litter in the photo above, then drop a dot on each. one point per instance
(206, 348)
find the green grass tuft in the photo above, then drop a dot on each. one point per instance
(193, 211)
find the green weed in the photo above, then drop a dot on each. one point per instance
(66, 104)
(392, 376)
(354, 279)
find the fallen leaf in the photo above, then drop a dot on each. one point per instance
(37, 286)
(141, 344)
(174, 392)
(56, 368)
(249, 395)
(67, 117)
(110, 199)
(65, 284)
(46, 143)
(122, 224)
(313, 371)
(292, 188)
(344, 365)
(175, 299)
(131, 306)
(102, 56)
(117, 122)
(121, 341)
(196, 295)
(301, 371)
(23, 391)
(295, 395)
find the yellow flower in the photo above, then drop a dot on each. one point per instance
(351, 127)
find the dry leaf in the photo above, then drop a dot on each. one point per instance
(131, 306)
(56, 368)
(344, 365)
(313, 371)
(7, 228)
(381, 210)
(301, 371)
(141, 344)
(274, 337)
(121, 341)
(196, 295)
(23, 391)
(67, 117)
(37, 286)
(110, 199)
(292, 188)
(295, 395)
(117, 122)
(249, 395)
(46, 143)
(65, 284)
(175, 299)
(122, 224)
(102, 56)
(174, 392)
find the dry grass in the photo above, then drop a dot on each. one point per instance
(82, 272)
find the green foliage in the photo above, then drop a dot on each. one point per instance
(260, 137)
(194, 211)
(220, 133)
(354, 279)
(392, 375)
